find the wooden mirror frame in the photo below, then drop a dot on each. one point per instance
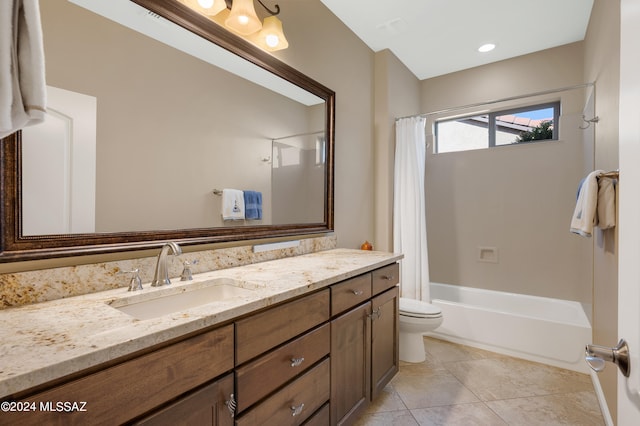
(16, 247)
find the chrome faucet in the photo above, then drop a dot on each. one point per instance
(161, 276)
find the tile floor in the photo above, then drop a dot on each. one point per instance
(460, 385)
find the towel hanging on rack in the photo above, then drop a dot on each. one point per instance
(606, 202)
(22, 76)
(232, 204)
(252, 205)
(595, 205)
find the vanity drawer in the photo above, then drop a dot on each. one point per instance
(261, 332)
(294, 403)
(350, 293)
(320, 417)
(385, 278)
(117, 394)
(262, 376)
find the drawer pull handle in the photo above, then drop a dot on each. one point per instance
(231, 405)
(295, 362)
(357, 292)
(388, 277)
(296, 410)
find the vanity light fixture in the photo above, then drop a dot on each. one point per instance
(271, 36)
(243, 20)
(207, 7)
(486, 48)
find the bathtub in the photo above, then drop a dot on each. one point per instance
(540, 329)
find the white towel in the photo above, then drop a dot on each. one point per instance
(606, 203)
(22, 76)
(585, 214)
(232, 204)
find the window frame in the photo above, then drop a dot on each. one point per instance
(492, 127)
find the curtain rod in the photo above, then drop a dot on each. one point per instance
(495, 101)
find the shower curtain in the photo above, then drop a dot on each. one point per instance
(409, 218)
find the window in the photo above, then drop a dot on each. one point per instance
(508, 127)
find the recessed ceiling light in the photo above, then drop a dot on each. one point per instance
(486, 47)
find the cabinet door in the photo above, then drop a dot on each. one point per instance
(384, 339)
(350, 364)
(206, 406)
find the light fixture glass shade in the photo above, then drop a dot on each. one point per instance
(272, 37)
(243, 18)
(206, 7)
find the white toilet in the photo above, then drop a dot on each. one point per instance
(416, 318)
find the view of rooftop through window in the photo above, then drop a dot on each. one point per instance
(534, 123)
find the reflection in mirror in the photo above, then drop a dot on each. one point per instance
(140, 133)
(168, 128)
(298, 167)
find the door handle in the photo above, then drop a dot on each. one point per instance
(596, 356)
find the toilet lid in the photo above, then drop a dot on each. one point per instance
(418, 308)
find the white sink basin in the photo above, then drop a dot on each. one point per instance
(171, 300)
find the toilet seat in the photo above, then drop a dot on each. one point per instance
(418, 309)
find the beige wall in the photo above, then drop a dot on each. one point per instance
(518, 199)
(602, 65)
(397, 94)
(322, 47)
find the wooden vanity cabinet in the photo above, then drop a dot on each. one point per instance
(282, 364)
(206, 406)
(364, 341)
(385, 356)
(123, 392)
(316, 360)
(350, 364)
(385, 327)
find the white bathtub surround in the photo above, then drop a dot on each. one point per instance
(540, 329)
(409, 218)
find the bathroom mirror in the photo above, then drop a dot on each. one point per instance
(170, 131)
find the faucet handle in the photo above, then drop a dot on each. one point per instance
(136, 283)
(186, 272)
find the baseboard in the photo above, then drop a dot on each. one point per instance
(604, 408)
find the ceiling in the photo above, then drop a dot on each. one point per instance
(436, 37)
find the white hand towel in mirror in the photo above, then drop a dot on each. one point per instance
(232, 204)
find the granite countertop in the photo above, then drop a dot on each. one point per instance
(49, 340)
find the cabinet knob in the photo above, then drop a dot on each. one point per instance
(357, 292)
(375, 314)
(295, 362)
(296, 410)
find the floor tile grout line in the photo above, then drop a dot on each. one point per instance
(435, 364)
